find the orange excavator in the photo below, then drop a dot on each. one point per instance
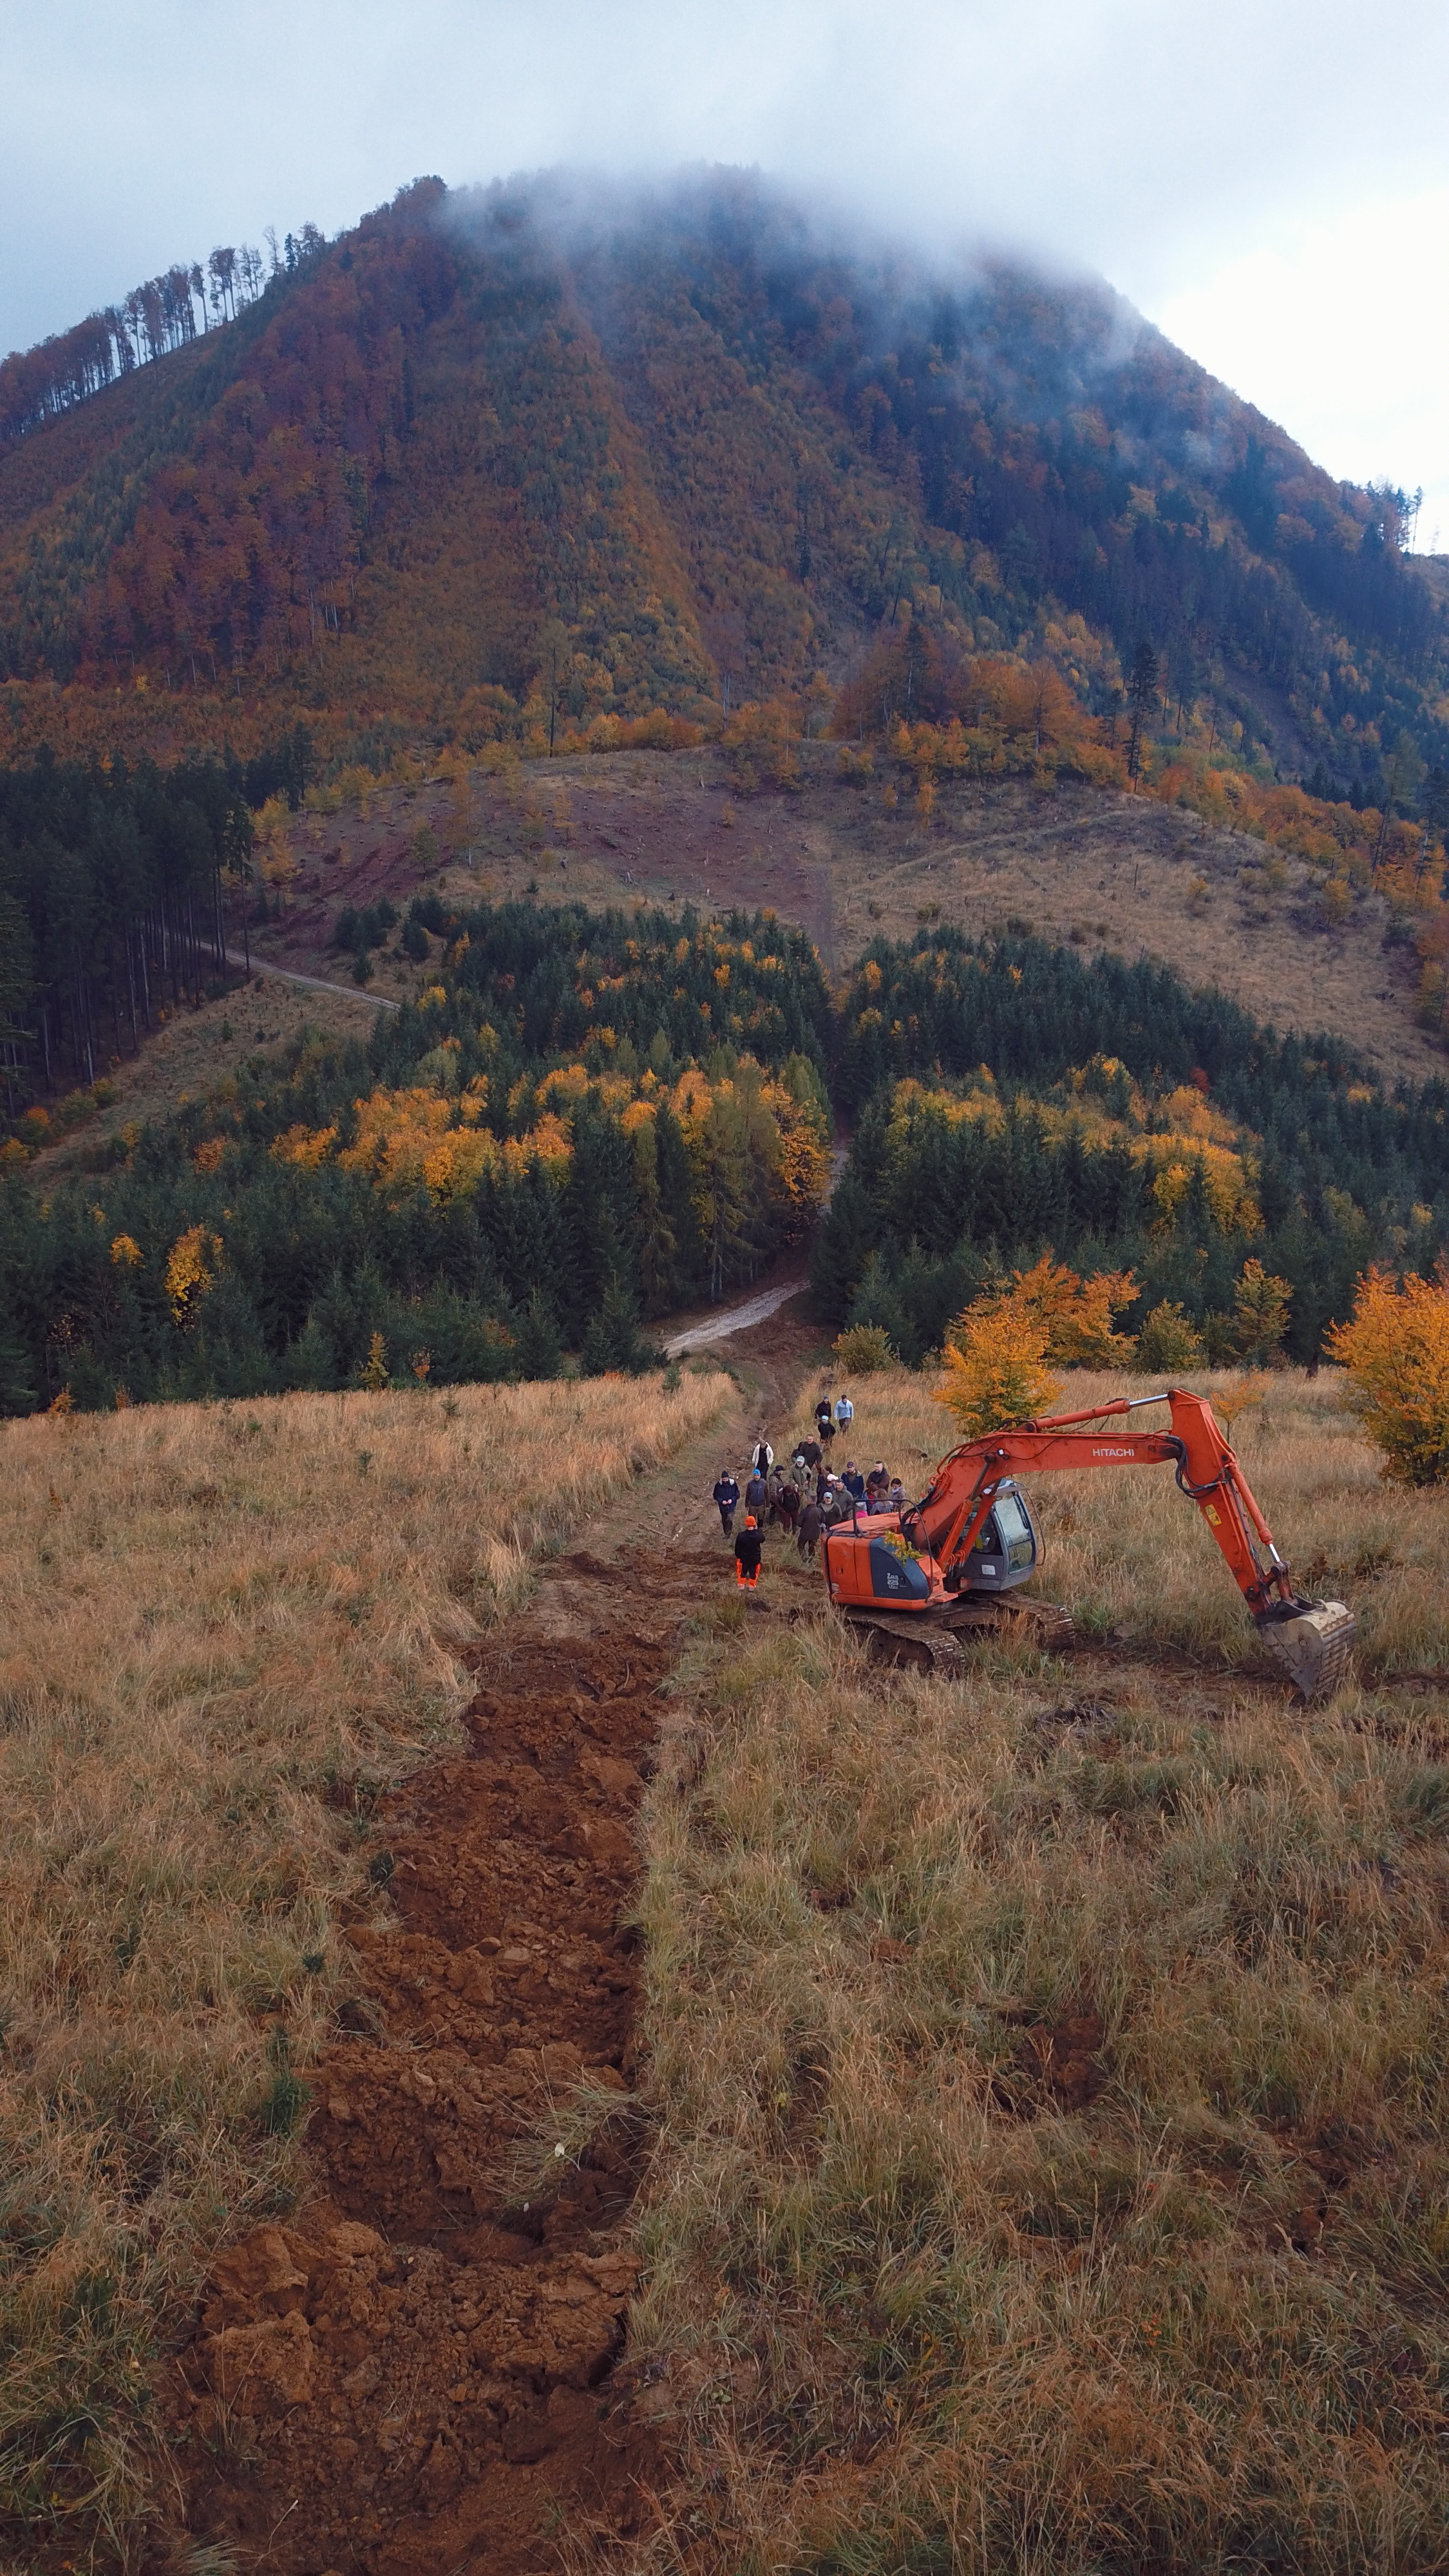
(915, 1582)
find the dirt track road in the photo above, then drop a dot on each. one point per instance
(315, 983)
(734, 1319)
(418, 2371)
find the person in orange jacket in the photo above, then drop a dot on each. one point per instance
(749, 1548)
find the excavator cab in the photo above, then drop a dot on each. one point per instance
(886, 1560)
(1006, 1550)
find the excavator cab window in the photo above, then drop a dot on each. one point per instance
(1014, 1531)
(1007, 1549)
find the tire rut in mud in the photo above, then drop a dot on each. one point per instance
(415, 2374)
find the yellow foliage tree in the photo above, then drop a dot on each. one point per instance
(996, 1370)
(1237, 1397)
(1395, 1347)
(1077, 1313)
(374, 1374)
(863, 1348)
(190, 1271)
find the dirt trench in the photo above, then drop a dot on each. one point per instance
(416, 2373)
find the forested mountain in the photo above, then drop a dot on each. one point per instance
(497, 461)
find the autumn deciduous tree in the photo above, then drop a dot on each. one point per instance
(1238, 1396)
(1395, 1347)
(190, 1271)
(1077, 1313)
(996, 1366)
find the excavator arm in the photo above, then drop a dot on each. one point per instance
(1310, 1638)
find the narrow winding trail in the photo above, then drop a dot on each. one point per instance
(416, 2371)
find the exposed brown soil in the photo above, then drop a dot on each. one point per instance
(414, 2372)
(1098, 870)
(1102, 870)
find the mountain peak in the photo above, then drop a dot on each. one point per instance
(685, 445)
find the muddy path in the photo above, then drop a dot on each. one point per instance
(415, 2371)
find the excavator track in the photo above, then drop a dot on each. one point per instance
(936, 1640)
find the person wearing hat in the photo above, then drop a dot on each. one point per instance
(727, 1495)
(748, 1551)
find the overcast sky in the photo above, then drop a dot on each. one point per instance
(1267, 179)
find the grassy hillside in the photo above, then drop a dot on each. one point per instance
(227, 1634)
(1049, 2068)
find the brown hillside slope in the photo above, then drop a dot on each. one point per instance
(1099, 870)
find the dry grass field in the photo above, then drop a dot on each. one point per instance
(1050, 2066)
(226, 1633)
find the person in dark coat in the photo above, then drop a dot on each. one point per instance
(808, 1454)
(787, 1506)
(756, 1497)
(727, 1495)
(853, 1481)
(824, 1422)
(749, 1548)
(807, 1536)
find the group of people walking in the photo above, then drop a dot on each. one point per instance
(803, 1498)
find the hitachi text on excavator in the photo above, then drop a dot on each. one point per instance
(917, 1581)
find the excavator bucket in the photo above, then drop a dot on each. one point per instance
(1312, 1640)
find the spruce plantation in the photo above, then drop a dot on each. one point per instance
(589, 1121)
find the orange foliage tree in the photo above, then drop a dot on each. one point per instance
(1395, 1347)
(1078, 1313)
(996, 1367)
